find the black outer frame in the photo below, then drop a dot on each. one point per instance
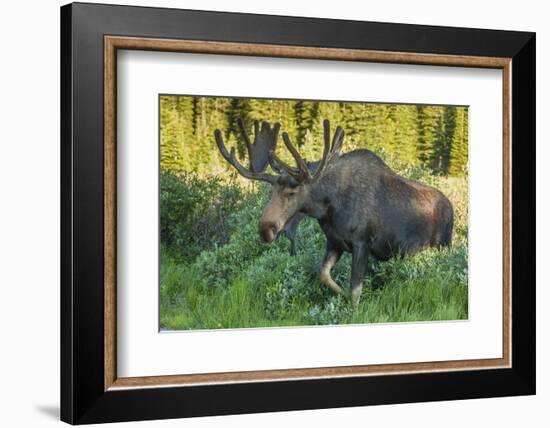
(83, 399)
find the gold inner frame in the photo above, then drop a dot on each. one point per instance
(112, 43)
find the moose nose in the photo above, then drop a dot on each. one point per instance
(268, 232)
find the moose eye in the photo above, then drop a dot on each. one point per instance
(290, 194)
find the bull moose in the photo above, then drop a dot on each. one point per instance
(361, 204)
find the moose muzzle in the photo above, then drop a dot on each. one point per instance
(268, 232)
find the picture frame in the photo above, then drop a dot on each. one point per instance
(91, 391)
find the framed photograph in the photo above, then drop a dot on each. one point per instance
(265, 213)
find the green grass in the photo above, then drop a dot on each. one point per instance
(244, 283)
(416, 289)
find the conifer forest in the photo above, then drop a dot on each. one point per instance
(434, 137)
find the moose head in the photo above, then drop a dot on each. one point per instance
(292, 186)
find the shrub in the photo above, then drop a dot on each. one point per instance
(195, 213)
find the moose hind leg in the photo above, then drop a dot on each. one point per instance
(359, 259)
(332, 255)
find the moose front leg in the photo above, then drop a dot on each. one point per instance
(359, 258)
(292, 246)
(332, 255)
(291, 236)
(290, 231)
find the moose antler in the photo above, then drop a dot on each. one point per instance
(262, 152)
(302, 174)
(329, 152)
(281, 166)
(265, 140)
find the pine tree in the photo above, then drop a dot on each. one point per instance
(171, 138)
(300, 112)
(238, 108)
(372, 136)
(426, 123)
(441, 152)
(263, 110)
(406, 133)
(459, 146)
(355, 125)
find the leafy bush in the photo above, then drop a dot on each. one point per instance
(194, 213)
